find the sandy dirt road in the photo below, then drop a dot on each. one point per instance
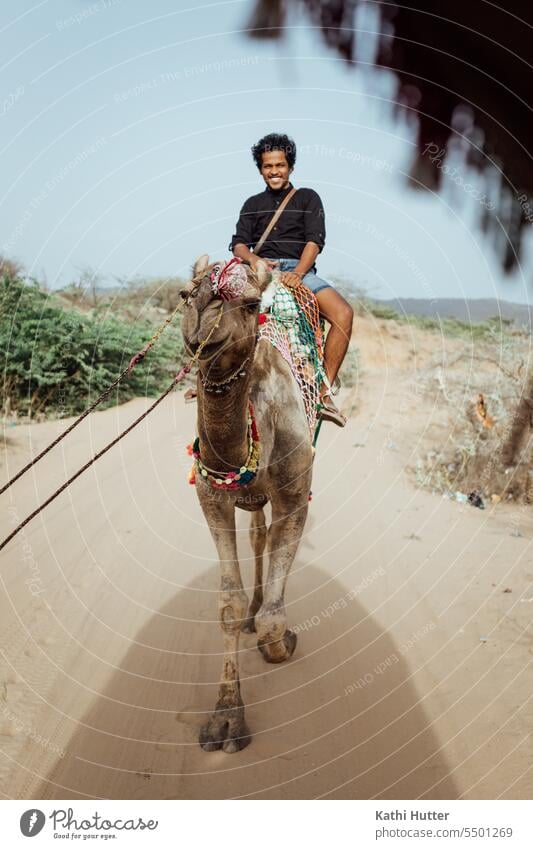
(412, 674)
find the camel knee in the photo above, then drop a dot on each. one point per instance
(232, 607)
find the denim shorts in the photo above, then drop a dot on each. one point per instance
(311, 280)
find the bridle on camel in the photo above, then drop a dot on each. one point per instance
(227, 287)
(228, 282)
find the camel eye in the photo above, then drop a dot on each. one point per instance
(188, 292)
(251, 304)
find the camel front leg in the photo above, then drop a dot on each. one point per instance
(275, 642)
(226, 728)
(258, 537)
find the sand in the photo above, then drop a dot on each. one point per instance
(411, 678)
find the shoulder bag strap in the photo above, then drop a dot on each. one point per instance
(273, 220)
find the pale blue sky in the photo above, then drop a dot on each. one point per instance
(126, 130)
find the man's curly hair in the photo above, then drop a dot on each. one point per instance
(274, 141)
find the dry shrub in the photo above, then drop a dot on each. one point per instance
(486, 447)
(10, 268)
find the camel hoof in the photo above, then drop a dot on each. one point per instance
(279, 651)
(248, 625)
(226, 730)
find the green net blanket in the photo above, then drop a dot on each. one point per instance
(290, 320)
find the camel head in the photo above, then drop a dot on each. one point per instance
(226, 297)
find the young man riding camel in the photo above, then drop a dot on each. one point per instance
(292, 245)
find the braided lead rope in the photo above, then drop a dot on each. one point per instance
(127, 372)
(87, 465)
(178, 378)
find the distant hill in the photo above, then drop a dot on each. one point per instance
(475, 310)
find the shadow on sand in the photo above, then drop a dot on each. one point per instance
(314, 732)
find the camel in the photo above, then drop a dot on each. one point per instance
(235, 368)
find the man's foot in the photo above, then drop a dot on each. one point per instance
(190, 396)
(329, 412)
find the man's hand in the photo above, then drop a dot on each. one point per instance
(291, 279)
(271, 264)
(243, 252)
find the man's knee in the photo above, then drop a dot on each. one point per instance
(343, 317)
(335, 309)
(346, 317)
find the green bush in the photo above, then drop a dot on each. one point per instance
(384, 312)
(448, 326)
(56, 361)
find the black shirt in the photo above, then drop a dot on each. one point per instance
(302, 221)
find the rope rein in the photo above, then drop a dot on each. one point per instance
(86, 466)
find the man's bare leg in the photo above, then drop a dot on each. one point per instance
(338, 312)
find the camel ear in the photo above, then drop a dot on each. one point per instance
(263, 275)
(200, 265)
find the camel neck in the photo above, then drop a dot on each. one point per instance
(223, 426)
